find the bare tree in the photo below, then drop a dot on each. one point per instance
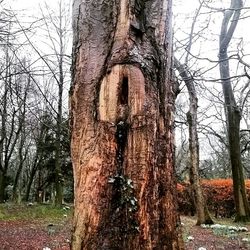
(21, 89)
(233, 112)
(10, 128)
(203, 216)
(203, 71)
(58, 44)
(56, 31)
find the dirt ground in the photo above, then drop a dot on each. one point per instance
(212, 240)
(26, 235)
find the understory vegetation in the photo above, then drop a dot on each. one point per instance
(218, 194)
(30, 211)
(41, 226)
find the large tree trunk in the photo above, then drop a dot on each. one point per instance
(233, 113)
(122, 126)
(203, 216)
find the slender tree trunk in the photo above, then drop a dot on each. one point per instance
(2, 186)
(233, 113)
(16, 182)
(122, 107)
(31, 179)
(58, 174)
(9, 133)
(22, 152)
(3, 127)
(58, 167)
(27, 194)
(203, 216)
(22, 158)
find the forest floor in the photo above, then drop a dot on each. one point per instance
(34, 227)
(44, 227)
(217, 238)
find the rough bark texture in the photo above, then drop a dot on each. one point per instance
(203, 216)
(233, 112)
(122, 126)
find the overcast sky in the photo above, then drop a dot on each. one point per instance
(31, 5)
(183, 14)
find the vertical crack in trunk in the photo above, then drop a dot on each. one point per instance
(121, 139)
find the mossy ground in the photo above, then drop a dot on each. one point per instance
(48, 212)
(214, 239)
(43, 225)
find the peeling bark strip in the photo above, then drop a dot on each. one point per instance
(122, 126)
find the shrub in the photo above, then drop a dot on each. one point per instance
(185, 199)
(218, 194)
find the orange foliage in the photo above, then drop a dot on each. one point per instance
(218, 193)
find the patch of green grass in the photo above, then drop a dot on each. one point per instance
(225, 232)
(1, 215)
(186, 225)
(228, 228)
(37, 211)
(230, 222)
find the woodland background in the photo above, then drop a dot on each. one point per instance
(35, 52)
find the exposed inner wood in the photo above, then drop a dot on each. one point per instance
(122, 30)
(108, 97)
(137, 90)
(122, 94)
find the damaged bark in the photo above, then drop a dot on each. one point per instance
(122, 105)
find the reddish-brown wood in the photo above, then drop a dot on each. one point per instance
(122, 126)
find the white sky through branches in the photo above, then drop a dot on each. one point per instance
(204, 47)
